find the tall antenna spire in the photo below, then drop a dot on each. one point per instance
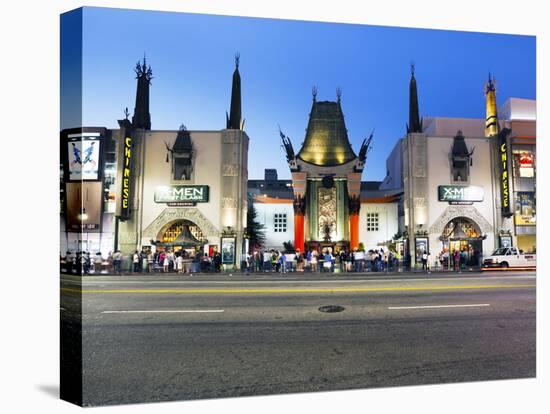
(314, 93)
(237, 57)
(339, 94)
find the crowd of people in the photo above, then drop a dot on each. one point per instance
(267, 261)
(145, 261)
(263, 261)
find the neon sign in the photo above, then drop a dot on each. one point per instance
(504, 176)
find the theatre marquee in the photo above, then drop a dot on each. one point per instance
(182, 194)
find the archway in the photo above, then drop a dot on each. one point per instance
(463, 235)
(180, 235)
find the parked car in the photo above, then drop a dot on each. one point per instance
(510, 257)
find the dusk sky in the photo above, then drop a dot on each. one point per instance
(192, 58)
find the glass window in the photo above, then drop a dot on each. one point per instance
(279, 223)
(372, 221)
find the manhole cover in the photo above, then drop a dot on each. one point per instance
(331, 308)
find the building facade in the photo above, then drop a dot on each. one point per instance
(274, 203)
(326, 180)
(468, 184)
(156, 189)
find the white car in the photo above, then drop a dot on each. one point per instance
(510, 257)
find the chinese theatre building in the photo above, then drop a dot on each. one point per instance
(173, 189)
(468, 184)
(326, 180)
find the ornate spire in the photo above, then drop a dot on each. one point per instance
(491, 119)
(234, 120)
(314, 93)
(142, 117)
(339, 95)
(415, 123)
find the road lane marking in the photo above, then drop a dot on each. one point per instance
(439, 306)
(168, 311)
(302, 290)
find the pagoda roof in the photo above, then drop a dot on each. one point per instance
(326, 143)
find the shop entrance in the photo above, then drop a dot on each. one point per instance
(462, 235)
(181, 235)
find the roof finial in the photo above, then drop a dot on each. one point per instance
(314, 93)
(237, 57)
(412, 67)
(491, 84)
(339, 93)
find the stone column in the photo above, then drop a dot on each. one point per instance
(354, 207)
(299, 185)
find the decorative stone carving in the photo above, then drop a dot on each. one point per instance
(419, 202)
(229, 202)
(452, 212)
(327, 210)
(172, 214)
(230, 170)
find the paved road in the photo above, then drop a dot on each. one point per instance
(151, 338)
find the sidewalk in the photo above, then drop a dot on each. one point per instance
(238, 272)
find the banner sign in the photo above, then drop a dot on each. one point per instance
(182, 194)
(228, 250)
(125, 177)
(460, 193)
(504, 162)
(83, 152)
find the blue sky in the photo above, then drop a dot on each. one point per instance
(192, 57)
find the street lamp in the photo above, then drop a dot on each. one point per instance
(82, 216)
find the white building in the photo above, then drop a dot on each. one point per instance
(451, 171)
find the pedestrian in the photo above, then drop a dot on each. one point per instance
(117, 262)
(424, 260)
(98, 261)
(328, 261)
(179, 263)
(313, 260)
(217, 262)
(205, 263)
(165, 262)
(281, 263)
(275, 261)
(266, 261)
(150, 261)
(144, 261)
(135, 261)
(299, 261)
(456, 261)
